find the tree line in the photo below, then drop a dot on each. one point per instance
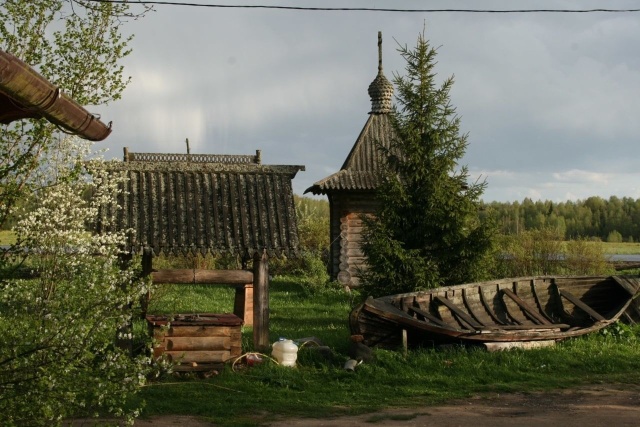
(613, 220)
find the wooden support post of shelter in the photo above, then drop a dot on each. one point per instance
(261, 301)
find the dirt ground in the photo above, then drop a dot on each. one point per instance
(602, 405)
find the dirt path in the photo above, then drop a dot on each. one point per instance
(592, 406)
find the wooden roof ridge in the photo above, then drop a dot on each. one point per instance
(130, 156)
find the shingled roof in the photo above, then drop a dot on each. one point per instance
(178, 203)
(360, 170)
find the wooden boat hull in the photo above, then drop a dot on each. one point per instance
(506, 310)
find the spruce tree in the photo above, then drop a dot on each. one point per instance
(429, 230)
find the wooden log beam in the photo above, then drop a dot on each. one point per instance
(261, 301)
(197, 343)
(203, 277)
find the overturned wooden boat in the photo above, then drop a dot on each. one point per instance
(520, 309)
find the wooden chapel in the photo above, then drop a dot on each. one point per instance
(351, 190)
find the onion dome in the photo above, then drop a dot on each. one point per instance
(380, 89)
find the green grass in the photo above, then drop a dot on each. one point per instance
(7, 237)
(319, 387)
(621, 248)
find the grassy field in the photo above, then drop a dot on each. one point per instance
(319, 387)
(622, 248)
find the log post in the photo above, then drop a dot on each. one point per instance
(261, 301)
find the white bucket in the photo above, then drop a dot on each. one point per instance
(285, 352)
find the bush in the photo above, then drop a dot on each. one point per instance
(614, 237)
(584, 258)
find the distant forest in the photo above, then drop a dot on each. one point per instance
(612, 220)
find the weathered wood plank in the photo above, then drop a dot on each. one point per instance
(427, 315)
(530, 311)
(197, 343)
(199, 276)
(629, 284)
(459, 312)
(198, 356)
(581, 305)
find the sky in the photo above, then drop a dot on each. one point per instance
(550, 101)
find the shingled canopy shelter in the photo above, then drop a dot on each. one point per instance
(180, 203)
(351, 190)
(24, 93)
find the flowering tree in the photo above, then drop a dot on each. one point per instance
(57, 352)
(57, 347)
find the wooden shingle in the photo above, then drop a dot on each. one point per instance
(180, 203)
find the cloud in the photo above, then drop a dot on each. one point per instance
(549, 100)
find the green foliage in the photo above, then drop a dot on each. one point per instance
(313, 233)
(428, 231)
(614, 237)
(58, 353)
(543, 252)
(537, 252)
(583, 257)
(593, 217)
(313, 225)
(619, 331)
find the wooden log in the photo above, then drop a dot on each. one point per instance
(500, 346)
(198, 356)
(197, 331)
(261, 301)
(199, 276)
(197, 343)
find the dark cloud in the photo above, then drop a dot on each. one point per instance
(544, 97)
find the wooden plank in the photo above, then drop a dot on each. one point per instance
(629, 284)
(474, 306)
(530, 311)
(197, 331)
(458, 312)
(530, 327)
(487, 307)
(200, 276)
(197, 343)
(198, 356)
(428, 316)
(582, 306)
(243, 303)
(500, 346)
